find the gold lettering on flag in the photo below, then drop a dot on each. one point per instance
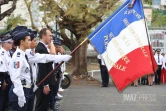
(136, 37)
(126, 41)
(124, 57)
(115, 65)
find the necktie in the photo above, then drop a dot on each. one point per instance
(158, 59)
(30, 70)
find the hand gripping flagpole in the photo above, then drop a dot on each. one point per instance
(59, 65)
(131, 4)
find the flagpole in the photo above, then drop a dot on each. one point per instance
(61, 63)
(150, 48)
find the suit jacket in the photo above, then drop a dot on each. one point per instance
(44, 68)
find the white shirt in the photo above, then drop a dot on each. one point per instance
(40, 58)
(102, 61)
(2, 65)
(164, 63)
(159, 59)
(19, 70)
(6, 58)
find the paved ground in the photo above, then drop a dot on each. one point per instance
(96, 98)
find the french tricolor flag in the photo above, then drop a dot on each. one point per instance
(122, 40)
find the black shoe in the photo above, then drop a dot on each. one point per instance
(52, 107)
(104, 85)
(58, 98)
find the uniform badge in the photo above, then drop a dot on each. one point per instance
(18, 54)
(27, 70)
(32, 53)
(16, 65)
(2, 53)
(1, 62)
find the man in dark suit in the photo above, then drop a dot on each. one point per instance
(43, 92)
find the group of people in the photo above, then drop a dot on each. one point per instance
(155, 78)
(24, 64)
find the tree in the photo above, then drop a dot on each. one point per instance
(78, 17)
(13, 21)
(158, 18)
(10, 10)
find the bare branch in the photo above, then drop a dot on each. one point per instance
(30, 14)
(9, 11)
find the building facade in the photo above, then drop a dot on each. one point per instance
(158, 39)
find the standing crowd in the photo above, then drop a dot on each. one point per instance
(24, 64)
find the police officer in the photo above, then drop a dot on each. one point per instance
(58, 73)
(6, 46)
(160, 62)
(21, 72)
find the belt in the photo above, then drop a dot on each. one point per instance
(3, 73)
(27, 86)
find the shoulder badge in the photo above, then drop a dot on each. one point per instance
(32, 53)
(27, 70)
(16, 65)
(2, 53)
(18, 54)
(1, 62)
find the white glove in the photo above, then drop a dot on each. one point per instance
(59, 58)
(21, 101)
(35, 88)
(66, 57)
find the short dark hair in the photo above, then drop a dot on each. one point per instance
(43, 32)
(17, 42)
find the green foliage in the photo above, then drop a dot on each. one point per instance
(13, 21)
(77, 15)
(158, 18)
(148, 2)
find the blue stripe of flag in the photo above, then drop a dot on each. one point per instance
(115, 24)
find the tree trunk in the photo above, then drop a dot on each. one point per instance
(80, 60)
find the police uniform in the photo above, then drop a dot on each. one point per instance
(58, 78)
(2, 79)
(160, 62)
(21, 76)
(4, 73)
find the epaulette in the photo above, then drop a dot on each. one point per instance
(18, 54)
(2, 53)
(32, 53)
